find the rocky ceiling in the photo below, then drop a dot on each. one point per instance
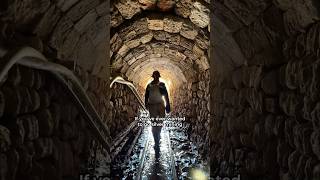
(68, 30)
(170, 73)
(76, 30)
(171, 36)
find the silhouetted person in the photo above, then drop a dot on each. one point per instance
(155, 104)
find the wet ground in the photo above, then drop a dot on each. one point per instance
(189, 163)
(156, 166)
(179, 158)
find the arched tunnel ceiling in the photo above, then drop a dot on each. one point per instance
(185, 32)
(170, 72)
(175, 57)
(76, 30)
(161, 37)
(196, 11)
(227, 52)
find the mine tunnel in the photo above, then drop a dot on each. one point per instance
(243, 74)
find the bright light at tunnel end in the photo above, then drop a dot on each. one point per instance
(165, 81)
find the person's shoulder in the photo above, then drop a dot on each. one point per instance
(162, 84)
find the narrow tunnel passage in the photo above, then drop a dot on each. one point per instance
(166, 41)
(243, 74)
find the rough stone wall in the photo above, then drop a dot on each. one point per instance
(97, 89)
(170, 36)
(74, 31)
(264, 123)
(168, 43)
(181, 101)
(201, 106)
(141, 90)
(42, 133)
(192, 101)
(69, 32)
(124, 108)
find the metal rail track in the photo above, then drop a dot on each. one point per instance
(144, 154)
(142, 158)
(172, 159)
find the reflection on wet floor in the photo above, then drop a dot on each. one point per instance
(144, 164)
(157, 167)
(189, 163)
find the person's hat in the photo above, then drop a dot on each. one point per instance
(156, 73)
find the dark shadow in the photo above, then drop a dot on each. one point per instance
(157, 171)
